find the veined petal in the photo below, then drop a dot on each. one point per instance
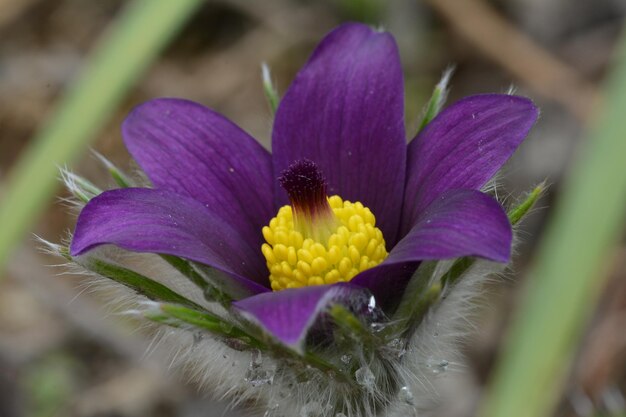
(463, 147)
(187, 148)
(289, 314)
(160, 221)
(458, 223)
(345, 112)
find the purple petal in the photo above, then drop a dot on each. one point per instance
(458, 223)
(160, 221)
(289, 314)
(184, 147)
(345, 112)
(463, 147)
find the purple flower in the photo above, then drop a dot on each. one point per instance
(215, 187)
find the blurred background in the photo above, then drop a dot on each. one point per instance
(62, 355)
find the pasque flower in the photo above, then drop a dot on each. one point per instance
(341, 212)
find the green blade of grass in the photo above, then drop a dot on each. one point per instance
(132, 42)
(569, 272)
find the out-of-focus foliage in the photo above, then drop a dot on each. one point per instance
(125, 51)
(569, 271)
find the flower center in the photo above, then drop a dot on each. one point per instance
(318, 239)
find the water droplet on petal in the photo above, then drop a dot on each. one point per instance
(311, 409)
(397, 347)
(371, 304)
(259, 376)
(271, 409)
(365, 378)
(378, 327)
(197, 337)
(438, 366)
(406, 396)
(256, 374)
(257, 359)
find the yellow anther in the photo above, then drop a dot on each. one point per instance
(334, 254)
(319, 265)
(354, 254)
(345, 265)
(268, 235)
(304, 255)
(286, 270)
(332, 277)
(363, 264)
(335, 202)
(304, 267)
(359, 240)
(268, 252)
(295, 239)
(316, 281)
(352, 274)
(280, 251)
(292, 257)
(299, 276)
(371, 248)
(295, 259)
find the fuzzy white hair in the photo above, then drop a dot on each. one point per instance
(399, 382)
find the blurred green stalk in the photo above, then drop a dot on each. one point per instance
(128, 47)
(570, 269)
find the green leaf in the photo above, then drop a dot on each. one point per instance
(569, 271)
(517, 213)
(174, 314)
(354, 328)
(120, 178)
(187, 268)
(459, 267)
(367, 11)
(143, 285)
(221, 286)
(416, 297)
(124, 52)
(437, 99)
(81, 188)
(423, 291)
(183, 266)
(271, 93)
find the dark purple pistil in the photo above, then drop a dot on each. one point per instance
(306, 187)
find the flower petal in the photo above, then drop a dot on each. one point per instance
(160, 221)
(187, 148)
(458, 223)
(463, 147)
(289, 314)
(345, 112)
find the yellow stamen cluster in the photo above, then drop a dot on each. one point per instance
(295, 260)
